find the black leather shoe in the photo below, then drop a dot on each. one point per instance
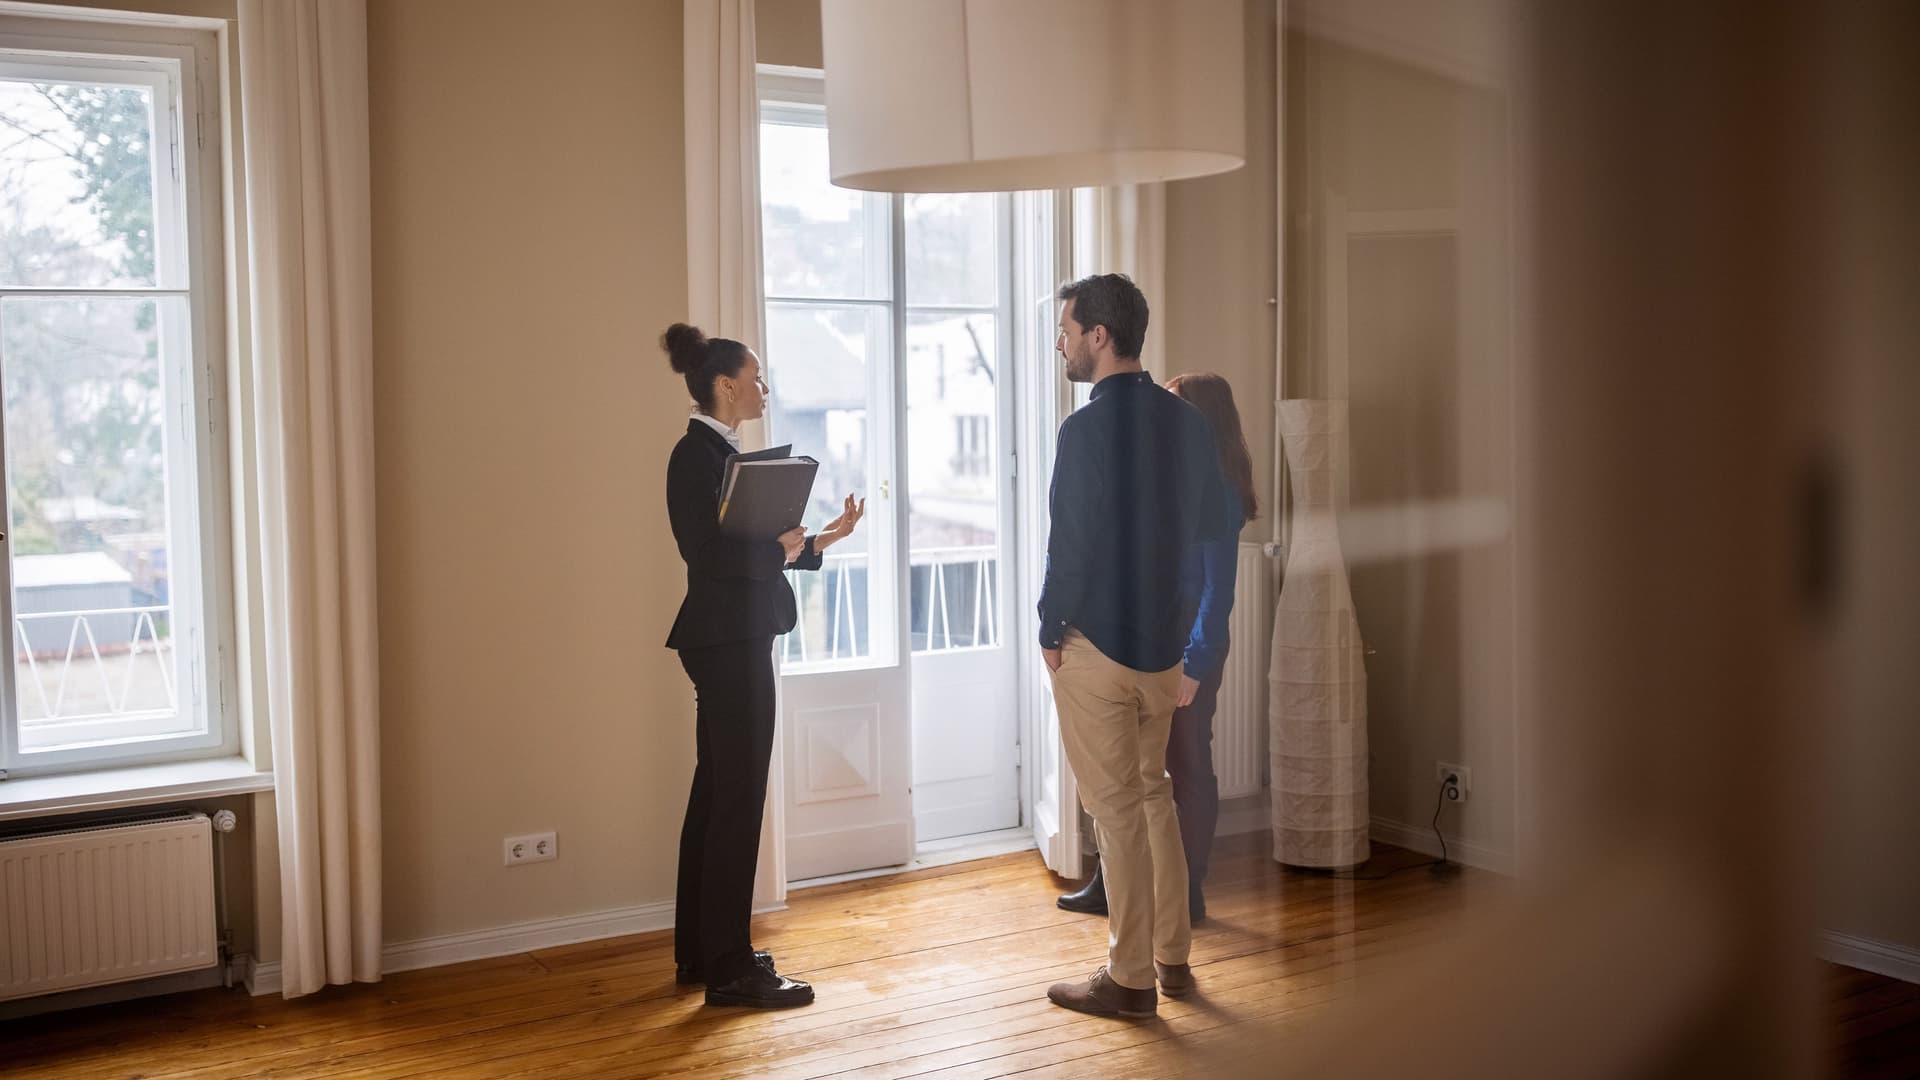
(762, 988)
(1090, 900)
(693, 974)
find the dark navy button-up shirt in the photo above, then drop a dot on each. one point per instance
(1136, 481)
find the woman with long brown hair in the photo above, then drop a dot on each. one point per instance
(1207, 582)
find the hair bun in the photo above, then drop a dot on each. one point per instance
(686, 347)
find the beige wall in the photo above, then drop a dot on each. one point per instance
(529, 246)
(1398, 139)
(787, 32)
(1425, 338)
(1221, 268)
(1427, 368)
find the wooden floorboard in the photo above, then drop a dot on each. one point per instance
(936, 973)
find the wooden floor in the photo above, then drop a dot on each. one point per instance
(941, 972)
(1873, 1024)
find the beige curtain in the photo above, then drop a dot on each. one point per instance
(723, 171)
(303, 92)
(724, 277)
(1130, 237)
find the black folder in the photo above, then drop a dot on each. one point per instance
(765, 493)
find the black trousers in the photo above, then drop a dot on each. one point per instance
(720, 841)
(1196, 791)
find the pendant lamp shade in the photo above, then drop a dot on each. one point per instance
(1022, 95)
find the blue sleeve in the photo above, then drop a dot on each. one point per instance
(1073, 507)
(1207, 644)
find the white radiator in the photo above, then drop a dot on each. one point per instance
(91, 905)
(1240, 724)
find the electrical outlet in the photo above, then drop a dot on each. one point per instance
(1463, 779)
(534, 847)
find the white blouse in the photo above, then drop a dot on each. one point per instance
(727, 433)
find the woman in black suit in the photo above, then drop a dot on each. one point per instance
(737, 602)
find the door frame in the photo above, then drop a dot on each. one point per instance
(1049, 793)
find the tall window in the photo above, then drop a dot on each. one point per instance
(856, 283)
(110, 412)
(830, 328)
(958, 291)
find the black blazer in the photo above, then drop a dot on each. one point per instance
(735, 588)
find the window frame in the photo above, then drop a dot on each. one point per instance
(191, 234)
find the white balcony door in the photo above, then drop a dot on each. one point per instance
(961, 363)
(896, 353)
(834, 264)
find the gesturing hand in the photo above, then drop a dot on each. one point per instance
(841, 527)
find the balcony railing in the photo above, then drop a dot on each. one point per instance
(955, 604)
(128, 676)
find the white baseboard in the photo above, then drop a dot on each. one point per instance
(263, 978)
(501, 941)
(526, 937)
(1880, 957)
(1420, 838)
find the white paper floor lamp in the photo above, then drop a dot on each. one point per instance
(1027, 95)
(1317, 717)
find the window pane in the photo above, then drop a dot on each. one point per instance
(820, 362)
(76, 184)
(952, 250)
(86, 403)
(953, 484)
(819, 240)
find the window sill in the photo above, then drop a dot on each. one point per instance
(108, 789)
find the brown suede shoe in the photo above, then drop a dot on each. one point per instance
(1101, 996)
(1176, 980)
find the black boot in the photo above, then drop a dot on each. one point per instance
(1196, 904)
(1091, 899)
(762, 988)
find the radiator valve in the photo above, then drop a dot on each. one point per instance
(224, 821)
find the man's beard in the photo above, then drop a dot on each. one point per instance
(1080, 367)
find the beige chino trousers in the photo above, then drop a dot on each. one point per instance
(1114, 723)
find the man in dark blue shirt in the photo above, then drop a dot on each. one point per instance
(1136, 480)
